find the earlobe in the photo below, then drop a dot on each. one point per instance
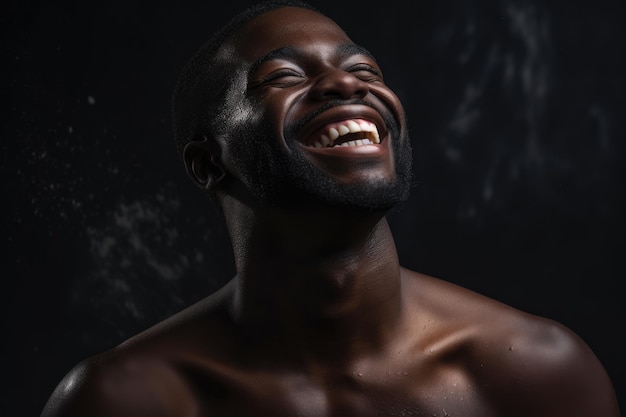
(202, 165)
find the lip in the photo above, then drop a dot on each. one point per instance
(316, 127)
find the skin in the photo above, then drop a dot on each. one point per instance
(321, 319)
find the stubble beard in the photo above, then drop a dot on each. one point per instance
(288, 179)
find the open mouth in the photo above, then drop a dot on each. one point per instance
(353, 132)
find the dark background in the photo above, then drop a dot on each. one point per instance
(516, 110)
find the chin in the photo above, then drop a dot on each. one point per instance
(291, 180)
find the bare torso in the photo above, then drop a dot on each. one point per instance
(457, 354)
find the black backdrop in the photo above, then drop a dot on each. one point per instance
(516, 110)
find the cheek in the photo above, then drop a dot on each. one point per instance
(248, 147)
(393, 104)
(282, 111)
(236, 109)
(237, 113)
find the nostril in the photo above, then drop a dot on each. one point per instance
(339, 84)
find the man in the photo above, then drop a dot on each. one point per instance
(291, 129)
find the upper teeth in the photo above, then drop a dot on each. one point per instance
(370, 134)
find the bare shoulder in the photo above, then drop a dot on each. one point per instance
(107, 385)
(528, 365)
(143, 376)
(547, 370)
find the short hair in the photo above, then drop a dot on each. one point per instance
(200, 87)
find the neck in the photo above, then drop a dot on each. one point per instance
(323, 283)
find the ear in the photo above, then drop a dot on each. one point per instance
(202, 164)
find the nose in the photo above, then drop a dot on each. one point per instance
(338, 84)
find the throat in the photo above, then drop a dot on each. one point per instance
(335, 300)
(314, 280)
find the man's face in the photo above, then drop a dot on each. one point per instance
(308, 119)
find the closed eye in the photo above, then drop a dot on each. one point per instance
(279, 78)
(366, 72)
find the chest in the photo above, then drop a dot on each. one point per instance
(392, 393)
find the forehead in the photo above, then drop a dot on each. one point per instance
(286, 27)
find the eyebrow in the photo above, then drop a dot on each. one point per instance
(350, 49)
(344, 50)
(288, 52)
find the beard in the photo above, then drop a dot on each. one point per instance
(280, 178)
